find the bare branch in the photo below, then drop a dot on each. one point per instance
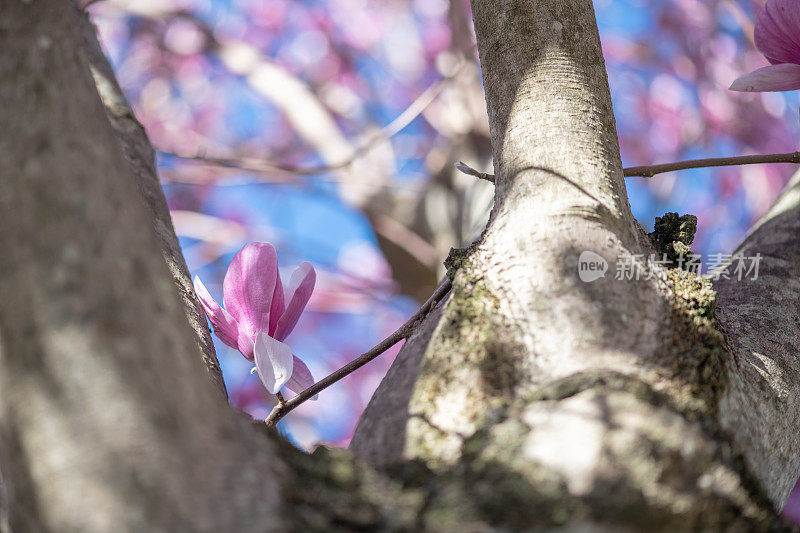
(652, 170)
(645, 171)
(468, 170)
(397, 125)
(649, 171)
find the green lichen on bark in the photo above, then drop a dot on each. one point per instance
(472, 367)
(331, 490)
(473, 329)
(692, 346)
(671, 236)
(455, 259)
(691, 357)
(653, 486)
(495, 474)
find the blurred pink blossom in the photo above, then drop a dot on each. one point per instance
(260, 313)
(777, 36)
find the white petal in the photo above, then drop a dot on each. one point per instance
(782, 77)
(273, 361)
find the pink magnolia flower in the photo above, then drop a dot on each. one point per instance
(260, 313)
(777, 35)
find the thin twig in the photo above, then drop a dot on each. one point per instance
(651, 170)
(466, 169)
(403, 332)
(397, 125)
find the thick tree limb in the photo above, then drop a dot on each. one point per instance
(761, 320)
(138, 154)
(107, 422)
(597, 400)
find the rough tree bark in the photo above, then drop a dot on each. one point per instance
(138, 154)
(529, 399)
(108, 420)
(615, 402)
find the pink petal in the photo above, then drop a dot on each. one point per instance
(782, 77)
(244, 343)
(277, 308)
(301, 378)
(274, 362)
(777, 31)
(249, 285)
(297, 295)
(224, 324)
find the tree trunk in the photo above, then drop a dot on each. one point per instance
(108, 421)
(528, 399)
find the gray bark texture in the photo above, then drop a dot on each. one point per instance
(108, 421)
(612, 404)
(138, 154)
(528, 400)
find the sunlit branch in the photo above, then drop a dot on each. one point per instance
(280, 410)
(398, 124)
(651, 170)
